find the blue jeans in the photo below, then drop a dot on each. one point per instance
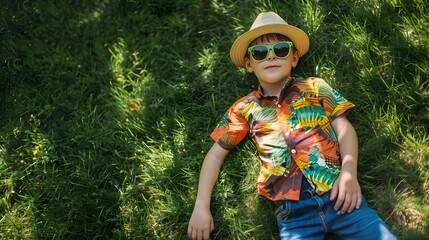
(314, 216)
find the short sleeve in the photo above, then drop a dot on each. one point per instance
(332, 101)
(232, 128)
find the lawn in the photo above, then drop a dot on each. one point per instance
(106, 109)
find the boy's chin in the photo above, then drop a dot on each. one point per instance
(275, 80)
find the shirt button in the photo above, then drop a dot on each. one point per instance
(293, 151)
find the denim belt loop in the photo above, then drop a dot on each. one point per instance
(307, 194)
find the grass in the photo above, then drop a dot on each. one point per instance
(106, 107)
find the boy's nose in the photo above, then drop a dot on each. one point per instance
(271, 55)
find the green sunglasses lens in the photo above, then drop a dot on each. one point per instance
(281, 50)
(259, 53)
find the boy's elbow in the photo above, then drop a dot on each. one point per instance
(342, 126)
(217, 153)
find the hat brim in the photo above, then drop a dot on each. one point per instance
(297, 36)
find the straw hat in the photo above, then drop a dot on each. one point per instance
(268, 22)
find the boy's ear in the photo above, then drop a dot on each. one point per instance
(295, 58)
(248, 65)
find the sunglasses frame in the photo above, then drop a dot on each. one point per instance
(270, 47)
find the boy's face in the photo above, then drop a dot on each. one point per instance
(272, 70)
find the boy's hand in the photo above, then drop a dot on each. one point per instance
(347, 191)
(201, 223)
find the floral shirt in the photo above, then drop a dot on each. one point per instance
(292, 133)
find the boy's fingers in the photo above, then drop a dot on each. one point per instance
(206, 235)
(193, 234)
(338, 204)
(359, 200)
(200, 235)
(346, 203)
(340, 201)
(334, 192)
(353, 203)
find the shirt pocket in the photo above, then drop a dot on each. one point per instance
(304, 101)
(308, 113)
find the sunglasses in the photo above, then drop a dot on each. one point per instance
(260, 52)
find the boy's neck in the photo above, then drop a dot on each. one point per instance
(273, 89)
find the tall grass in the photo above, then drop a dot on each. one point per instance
(106, 107)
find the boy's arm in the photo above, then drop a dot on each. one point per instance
(201, 222)
(347, 189)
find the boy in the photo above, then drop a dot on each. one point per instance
(298, 126)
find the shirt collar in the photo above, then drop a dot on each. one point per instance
(288, 83)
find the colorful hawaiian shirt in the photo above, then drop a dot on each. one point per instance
(292, 133)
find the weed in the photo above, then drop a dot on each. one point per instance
(106, 108)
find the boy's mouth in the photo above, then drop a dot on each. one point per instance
(271, 66)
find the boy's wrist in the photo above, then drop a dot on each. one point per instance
(200, 203)
(350, 167)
